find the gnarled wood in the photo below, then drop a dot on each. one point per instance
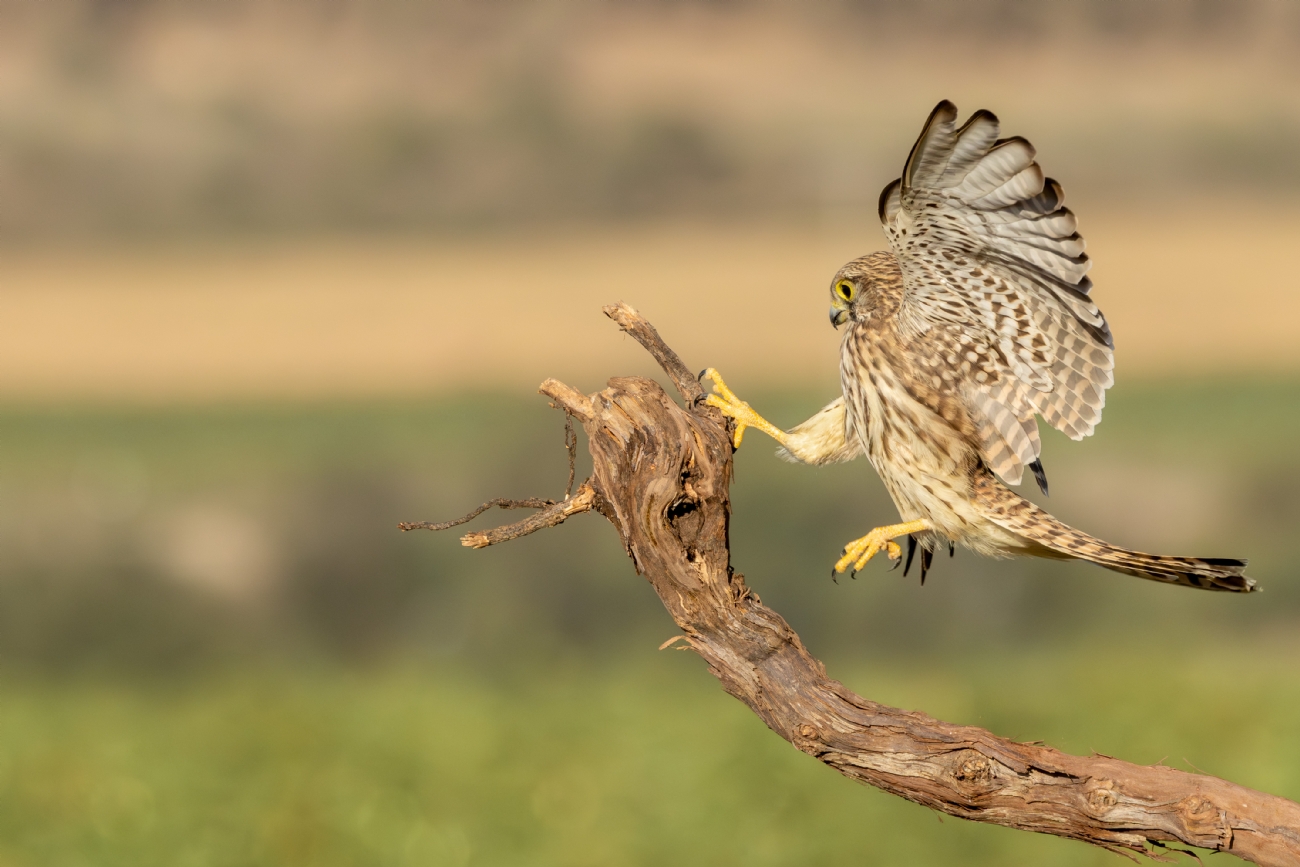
(661, 476)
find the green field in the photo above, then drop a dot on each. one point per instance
(371, 697)
(593, 762)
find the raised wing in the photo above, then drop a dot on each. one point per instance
(992, 260)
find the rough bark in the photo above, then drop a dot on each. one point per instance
(661, 476)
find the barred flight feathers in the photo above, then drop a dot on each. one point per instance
(985, 244)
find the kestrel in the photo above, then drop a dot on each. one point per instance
(976, 320)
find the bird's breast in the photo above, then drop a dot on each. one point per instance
(923, 460)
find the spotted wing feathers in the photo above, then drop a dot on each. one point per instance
(985, 244)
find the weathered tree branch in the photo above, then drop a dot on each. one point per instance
(551, 514)
(661, 476)
(499, 502)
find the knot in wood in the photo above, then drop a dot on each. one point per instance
(808, 739)
(1101, 796)
(974, 768)
(1203, 818)
(739, 590)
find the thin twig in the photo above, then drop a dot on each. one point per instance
(633, 323)
(584, 500)
(570, 399)
(570, 445)
(501, 502)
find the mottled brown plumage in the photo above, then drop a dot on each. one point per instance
(977, 320)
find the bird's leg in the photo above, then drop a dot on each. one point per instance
(859, 551)
(724, 399)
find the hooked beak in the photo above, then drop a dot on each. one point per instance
(838, 316)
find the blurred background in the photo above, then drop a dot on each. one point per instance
(275, 276)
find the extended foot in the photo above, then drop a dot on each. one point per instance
(733, 407)
(859, 551)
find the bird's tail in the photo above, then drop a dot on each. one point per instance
(1012, 512)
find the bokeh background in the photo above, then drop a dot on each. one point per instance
(275, 276)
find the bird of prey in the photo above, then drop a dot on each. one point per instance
(977, 319)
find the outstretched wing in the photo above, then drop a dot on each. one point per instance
(992, 260)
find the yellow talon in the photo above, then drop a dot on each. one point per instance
(859, 551)
(714, 400)
(742, 413)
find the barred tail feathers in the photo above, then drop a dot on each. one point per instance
(1012, 512)
(1201, 572)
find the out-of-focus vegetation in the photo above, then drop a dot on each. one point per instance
(638, 761)
(218, 649)
(142, 117)
(165, 539)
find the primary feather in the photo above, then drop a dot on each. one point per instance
(985, 243)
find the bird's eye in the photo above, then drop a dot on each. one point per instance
(844, 289)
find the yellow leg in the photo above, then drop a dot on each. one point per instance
(862, 550)
(724, 399)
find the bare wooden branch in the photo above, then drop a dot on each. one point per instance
(499, 502)
(555, 513)
(551, 514)
(572, 401)
(661, 476)
(688, 385)
(570, 446)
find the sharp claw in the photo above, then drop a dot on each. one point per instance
(835, 576)
(699, 376)
(897, 562)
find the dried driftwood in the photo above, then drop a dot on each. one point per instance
(661, 476)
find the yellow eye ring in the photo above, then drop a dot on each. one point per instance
(845, 290)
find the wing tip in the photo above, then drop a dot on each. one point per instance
(982, 114)
(1016, 140)
(945, 112)
(1058, 194)
(1225, 562)
(1040, 475)
(885, 196)
(945, 106)
(1101, 332)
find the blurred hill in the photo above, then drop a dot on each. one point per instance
(138, 117)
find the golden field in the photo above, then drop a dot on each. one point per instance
(1206, 291)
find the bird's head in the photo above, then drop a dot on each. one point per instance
(863, 285)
